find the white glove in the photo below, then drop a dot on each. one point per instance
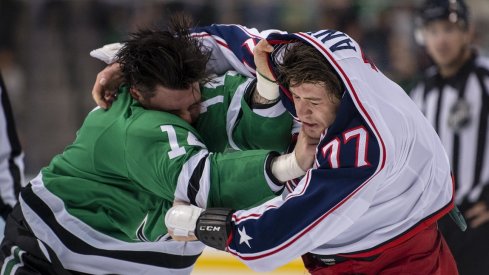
(286, 167)
(182, 219)
(267, 88)
(107, 53)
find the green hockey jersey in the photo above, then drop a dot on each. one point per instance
(102, 201)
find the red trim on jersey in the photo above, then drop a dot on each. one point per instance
(278, 42)
(403, 237)
(248, 33)
(253, 215)
(329, 148)
(409, 233)
(230, 238)
(357, 144)
(257, 215)
(247, 46)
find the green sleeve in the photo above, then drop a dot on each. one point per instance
(239, 179)
(168, 158)
(267, 127)
(228, 122)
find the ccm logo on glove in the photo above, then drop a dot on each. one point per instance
(210, 228)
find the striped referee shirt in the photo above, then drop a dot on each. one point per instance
(458, 107)
(11, 156)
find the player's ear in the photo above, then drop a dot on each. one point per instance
(135, 93)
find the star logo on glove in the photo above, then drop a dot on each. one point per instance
(243, 237)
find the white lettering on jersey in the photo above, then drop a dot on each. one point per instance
(176, 150)
(361, 145)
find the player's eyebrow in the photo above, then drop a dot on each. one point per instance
(308, 97)
(313, 98)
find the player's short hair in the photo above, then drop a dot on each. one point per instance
(302, 63)
(171, 58)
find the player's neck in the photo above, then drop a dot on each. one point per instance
(451, 69)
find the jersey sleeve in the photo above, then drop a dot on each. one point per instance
(235, 122)
(313, 214)
(240, 179)
(262, 127)
(177, 165)
(232, 46)
(236, 180)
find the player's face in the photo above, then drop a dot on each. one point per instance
(315, 107)
(446, 42)
(183, 103)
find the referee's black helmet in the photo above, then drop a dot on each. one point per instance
(455, 11)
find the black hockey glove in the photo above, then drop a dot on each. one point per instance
(214, 227)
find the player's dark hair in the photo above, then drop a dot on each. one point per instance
(302, 63)
(171, 58)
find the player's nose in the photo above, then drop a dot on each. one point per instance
(301, 108)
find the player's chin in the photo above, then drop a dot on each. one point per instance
(312, 133)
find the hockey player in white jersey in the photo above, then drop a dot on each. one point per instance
(381, 177)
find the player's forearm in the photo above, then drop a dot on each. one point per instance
(262, 126)
(241, 179)
(258, 99)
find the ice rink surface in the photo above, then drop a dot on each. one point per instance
(215, 262)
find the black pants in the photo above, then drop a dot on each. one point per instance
(20, 253)
(470, 248)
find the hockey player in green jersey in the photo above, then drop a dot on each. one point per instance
(98, 208)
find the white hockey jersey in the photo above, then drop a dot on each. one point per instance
(381, 174)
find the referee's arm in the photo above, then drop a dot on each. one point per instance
(11, 156)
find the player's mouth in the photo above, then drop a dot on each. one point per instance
(309, 124)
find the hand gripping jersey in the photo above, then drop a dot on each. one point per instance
(380, 176)
(100, 205)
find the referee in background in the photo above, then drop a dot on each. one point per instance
(11, 156)
(454, 96)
